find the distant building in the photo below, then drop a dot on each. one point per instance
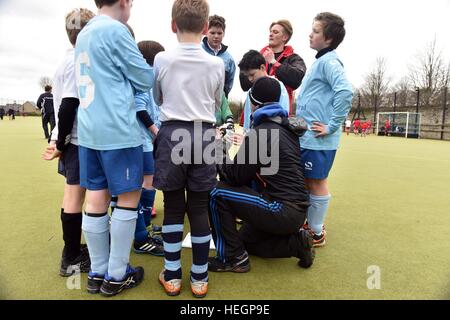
(29, 108)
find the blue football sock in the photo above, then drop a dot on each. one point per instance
(147, 201)
(141, 233)
(317, 212)
(173, 239)
(123, 224)
(96, 234)
(200, 253)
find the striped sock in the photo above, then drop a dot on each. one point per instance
(200, 253)
(173, 236)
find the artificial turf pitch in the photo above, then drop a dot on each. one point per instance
(390, 211)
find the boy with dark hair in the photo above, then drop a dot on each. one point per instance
(64, 144)
(189, 88)
(110, 69)
(324, 101)
(145, 241)
(45, 104)
(253, 66)
(212, 44)
(275, 209)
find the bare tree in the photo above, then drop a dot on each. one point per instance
(428, 72)
(402, 88)
(376, 84)
(44, 81)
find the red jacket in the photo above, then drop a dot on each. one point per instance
(290, 72)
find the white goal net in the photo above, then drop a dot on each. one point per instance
(399, 124)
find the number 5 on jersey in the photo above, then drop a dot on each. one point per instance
(86, 87)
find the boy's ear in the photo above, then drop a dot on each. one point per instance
(174, 27)
(329, 41)
(263, 68)
(205, 29)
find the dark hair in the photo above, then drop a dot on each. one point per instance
(333, 27)
(48, 88)
(149, 49)
(101, 3)
(252, 60)
(217, 21)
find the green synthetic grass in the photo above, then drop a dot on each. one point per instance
(390, 208)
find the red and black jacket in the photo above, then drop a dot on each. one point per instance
(290, 71)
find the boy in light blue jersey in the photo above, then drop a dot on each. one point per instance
(109, 70)
(146, 239)
(253, 66)
(324, 100)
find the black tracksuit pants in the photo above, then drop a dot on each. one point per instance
(48, 118)
(270, 229)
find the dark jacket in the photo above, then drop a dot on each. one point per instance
(286, 183)
(45, 103)
(290, 72)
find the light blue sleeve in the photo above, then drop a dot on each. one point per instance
(284, 98)
(129, 59)
(247, 113)
(156, 90)
(141, 99)
(154, 112)
(230, 80)
(343, 93)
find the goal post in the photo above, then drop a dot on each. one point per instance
(399, 124)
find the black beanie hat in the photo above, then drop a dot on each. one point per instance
(265, 90)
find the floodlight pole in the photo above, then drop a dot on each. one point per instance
(418, 97)
(395, 107)
(444, 109)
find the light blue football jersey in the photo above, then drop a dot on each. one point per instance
(109, 70)
(284, 102)
(325, 96)
(145, 102)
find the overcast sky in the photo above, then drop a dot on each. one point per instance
(33, 39)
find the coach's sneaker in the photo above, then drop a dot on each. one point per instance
(150, 246)
(319, 239)
(306, 252)
(239, 264)
(154, 229)
(305, 226)
(81, 263)
(94, 283)
(133, 277)
(199, 288)
(171, 287)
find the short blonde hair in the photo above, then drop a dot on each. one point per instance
(76, 20)
(190, 15)
(287, 27)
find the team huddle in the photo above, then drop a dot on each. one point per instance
(133, 118)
